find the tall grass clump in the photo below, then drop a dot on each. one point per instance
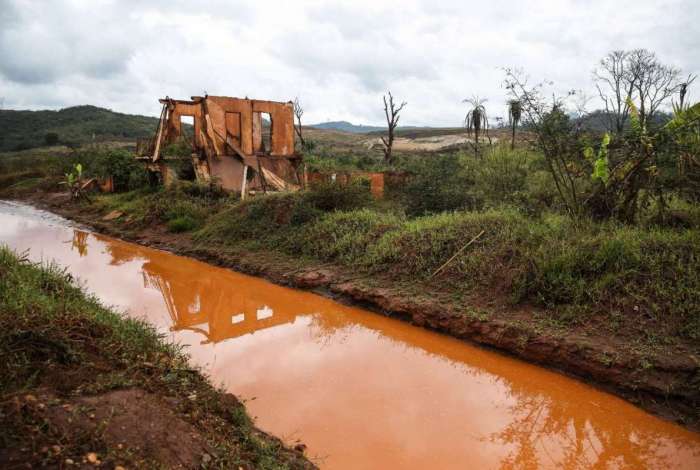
(646, 274)
(421, 245)
(345, 236)
(265, 219)
(45, 318)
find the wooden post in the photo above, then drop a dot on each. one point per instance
(163, 116)
(245, 180)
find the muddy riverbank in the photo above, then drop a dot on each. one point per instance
(85, 387)
(361, 390)
(666, 383)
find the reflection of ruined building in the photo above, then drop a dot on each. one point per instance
(214, 308)
(79, 242)
(243, 145)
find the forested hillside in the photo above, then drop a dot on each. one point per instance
(20, 130)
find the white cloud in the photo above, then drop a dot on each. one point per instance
(337, 57)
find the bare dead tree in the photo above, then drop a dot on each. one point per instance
(683, 89)
(654, 82)
(298, 113)
(391, 111)
(615, 85)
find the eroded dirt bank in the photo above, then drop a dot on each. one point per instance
(667, 384)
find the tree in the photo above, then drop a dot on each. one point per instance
(515, 109)
(554, 135)
(653, 82)
(637, 77)
(476, 119)
(298, 113)
(391, 111)
(614, 82)
(51, 138)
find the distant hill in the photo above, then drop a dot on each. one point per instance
(21, 130)
(346, 126)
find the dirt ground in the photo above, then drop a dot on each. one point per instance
(426, 144)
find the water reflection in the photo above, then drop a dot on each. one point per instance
(361, 389)
(79, 242)
(214, 306)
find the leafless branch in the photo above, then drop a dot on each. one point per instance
(391, 111)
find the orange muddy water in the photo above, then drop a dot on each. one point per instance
(361, 390)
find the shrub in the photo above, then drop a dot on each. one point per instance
(138, 178)
(438, 183)
(51, 138)
(420, 246)
(118, 163)
(331, 196)
(183, 223)
(345, 236)
(262, 217)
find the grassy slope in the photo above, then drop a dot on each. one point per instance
(57, 342)
(634, 282)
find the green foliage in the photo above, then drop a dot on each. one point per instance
(77, 125)
(601, 171)
(514, 177)
(266, 217)
(118, 163)
(439, 183)
(308, 146)
(329, 196)
(51, 138)
(182, 223)
(452, 182)
(683, 135)
(74, 176)
(344, 236)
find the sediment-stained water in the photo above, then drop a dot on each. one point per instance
(361, 390)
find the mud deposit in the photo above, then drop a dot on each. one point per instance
(360, 390)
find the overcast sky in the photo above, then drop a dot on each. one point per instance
(338, 57)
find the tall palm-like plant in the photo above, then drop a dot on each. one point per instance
(515, 109)
(476, 120)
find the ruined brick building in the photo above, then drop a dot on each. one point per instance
(244, 145)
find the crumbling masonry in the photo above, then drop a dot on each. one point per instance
(232, 144)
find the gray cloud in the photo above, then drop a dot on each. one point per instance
(338, 57)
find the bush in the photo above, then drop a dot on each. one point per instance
(138, 178)
(183, 223)
(264, 217)
(101, 163)
(345, 236)
(202, 190)
(438, 183)
(51, 138)
(120, 164)
(644, 272)
(331, 196)
(420, 246)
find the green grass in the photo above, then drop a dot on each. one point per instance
(53, 335)
(575, 270)
(531, 254)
